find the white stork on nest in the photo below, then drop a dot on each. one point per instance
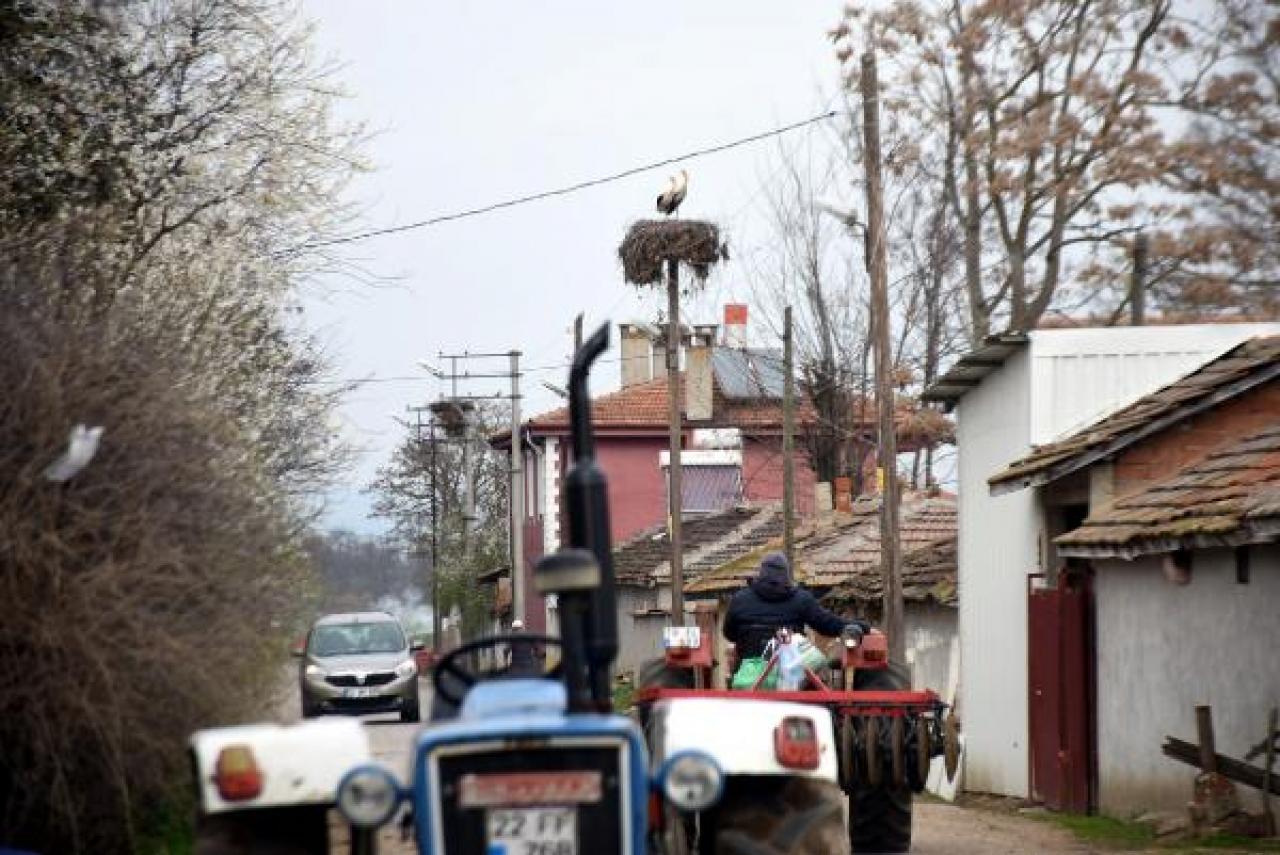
(669, 200)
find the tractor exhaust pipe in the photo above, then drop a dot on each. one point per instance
(586, 497)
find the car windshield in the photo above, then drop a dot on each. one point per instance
(346, 639)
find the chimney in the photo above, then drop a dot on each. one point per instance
(636, 345)
(735, 325)
(697, 382)
(659, 356)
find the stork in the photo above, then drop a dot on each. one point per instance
(81, 446)
(669, 200)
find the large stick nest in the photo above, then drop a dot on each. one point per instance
(649, 244)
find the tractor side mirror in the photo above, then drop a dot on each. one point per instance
(567, 571)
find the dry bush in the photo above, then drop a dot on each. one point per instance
(141, 598)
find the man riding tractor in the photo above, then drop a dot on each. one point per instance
(772, 602)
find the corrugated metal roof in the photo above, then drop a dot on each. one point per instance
(748, 373)
(1240, 369)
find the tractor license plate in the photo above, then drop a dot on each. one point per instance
(532, 831)
(357, 693)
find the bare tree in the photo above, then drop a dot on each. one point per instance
(1047, 123)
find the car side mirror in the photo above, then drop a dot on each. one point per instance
(416, 644)
(296, 651)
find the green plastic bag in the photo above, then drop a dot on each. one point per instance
(749, 670)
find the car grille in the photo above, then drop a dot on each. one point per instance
(377, 678)
(599, 825)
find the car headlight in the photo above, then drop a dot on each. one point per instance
(315, 672)
(407, 668)
(691, 780)
(368, 796)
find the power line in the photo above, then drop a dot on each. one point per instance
(572, 188)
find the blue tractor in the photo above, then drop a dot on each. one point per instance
(522, 758)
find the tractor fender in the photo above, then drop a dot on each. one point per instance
(301, 764)
(739, 734)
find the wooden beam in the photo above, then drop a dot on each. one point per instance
(1228, 767)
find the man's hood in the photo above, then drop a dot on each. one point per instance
(773, 582)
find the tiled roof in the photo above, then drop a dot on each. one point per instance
(848, 547)
(644, 405)
(644, 559)
(1244, 367)
(1230, 497)
(928, 574)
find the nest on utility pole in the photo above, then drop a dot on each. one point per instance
(650, 244)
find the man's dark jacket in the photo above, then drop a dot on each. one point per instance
(769, 603)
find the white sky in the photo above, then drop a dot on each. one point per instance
(478, 102)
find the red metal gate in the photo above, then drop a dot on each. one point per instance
(1060, 661)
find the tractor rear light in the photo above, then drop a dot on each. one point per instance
(795, 743)
(237, 774)
(655, 810)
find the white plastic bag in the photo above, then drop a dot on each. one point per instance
(790, 666)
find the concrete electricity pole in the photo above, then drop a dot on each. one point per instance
(459, 409)
(788, 442)
(674, 489)
(517, 497)
(890, 559)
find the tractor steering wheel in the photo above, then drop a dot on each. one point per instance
(461, 668)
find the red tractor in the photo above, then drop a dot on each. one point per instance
(854, 729)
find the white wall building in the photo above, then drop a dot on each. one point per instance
(1016, 391)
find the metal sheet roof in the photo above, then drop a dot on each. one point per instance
(748, 373)
(971, 368)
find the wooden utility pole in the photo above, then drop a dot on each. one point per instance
(788, 442)
(674, 494)
(517, 498)
(1138, 281)
(890, 559)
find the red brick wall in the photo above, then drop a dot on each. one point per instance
(1158, 457)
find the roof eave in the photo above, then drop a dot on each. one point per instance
(971, 369)
(1258, 531)
(1125, 440)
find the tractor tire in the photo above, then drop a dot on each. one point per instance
(657, 673)
(880, 816)
(265, 831)
(775, 816)
(880, 819)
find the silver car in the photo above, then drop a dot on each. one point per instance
(359, 663)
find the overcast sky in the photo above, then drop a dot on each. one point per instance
(474, 103)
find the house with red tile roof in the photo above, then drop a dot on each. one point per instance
(1158, 583)
(732, 440)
